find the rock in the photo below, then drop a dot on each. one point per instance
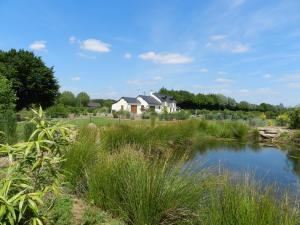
(4, 162)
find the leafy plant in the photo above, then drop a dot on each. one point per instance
(34, 172)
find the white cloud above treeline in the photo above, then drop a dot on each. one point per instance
(38, 46)
(165, 58)
(95, 45)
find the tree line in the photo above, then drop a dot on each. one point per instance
(188, 100)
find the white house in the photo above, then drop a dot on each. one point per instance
(155, 101)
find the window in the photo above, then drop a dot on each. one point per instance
(122, 107)
(158, 107)
(143, 108)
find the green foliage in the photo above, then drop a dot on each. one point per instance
(294, 116)
(82, 99)
(142, 191)
(93, 217)
(32, 80)
(34, 171)
(57, 111)
(61, 212)
(67, 98)
(79, 157)
(172, 135)
(224, 129)
(282, 119)
(187, 100)
(28, 129)
(7, 95)
(8, 125)
(244, 203)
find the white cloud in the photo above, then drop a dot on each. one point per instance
(165, 58)
(76, 78)
(218, 37)
(234, 47)
(95, 45)
(127, 56)
(223, 80)
(203, 70)
(267, 76)
(38, 45)
(72, 40)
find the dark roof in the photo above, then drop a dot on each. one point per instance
(165, 98)
(150, 100)
(93, 104)
(131, 100)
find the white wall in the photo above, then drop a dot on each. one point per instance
(118, 105)
(126, 107)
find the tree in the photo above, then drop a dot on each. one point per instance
(67, 98)
(82, 99)
(32, 80)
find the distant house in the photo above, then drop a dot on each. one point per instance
(93, 105)
(155, 101)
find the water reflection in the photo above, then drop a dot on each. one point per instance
(272, 164)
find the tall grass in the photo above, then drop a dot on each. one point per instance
(245, 202)
(173, 134)
(224, 129)
(143, 189)
(81, 155)
(145, 192)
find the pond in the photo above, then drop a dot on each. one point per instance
(270, 165)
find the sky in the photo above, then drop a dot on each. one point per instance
(246, 49)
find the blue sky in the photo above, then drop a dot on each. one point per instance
(247, 49)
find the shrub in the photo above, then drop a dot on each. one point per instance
(295, 118)
(57, 111)
(34, 172)
(282, 119)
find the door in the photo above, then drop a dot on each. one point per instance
(134, 108)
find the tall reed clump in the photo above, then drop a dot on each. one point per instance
(224, 129)
(175, 134)
(145, 192)
(244, 203)
(80, 155)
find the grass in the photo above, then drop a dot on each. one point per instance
(145, 188)
(245, 202)
(144, 191)
(61, 213)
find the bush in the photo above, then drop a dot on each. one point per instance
(34, 173)
(295, 119)
(57, 111)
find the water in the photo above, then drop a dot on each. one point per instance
(269, 165)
